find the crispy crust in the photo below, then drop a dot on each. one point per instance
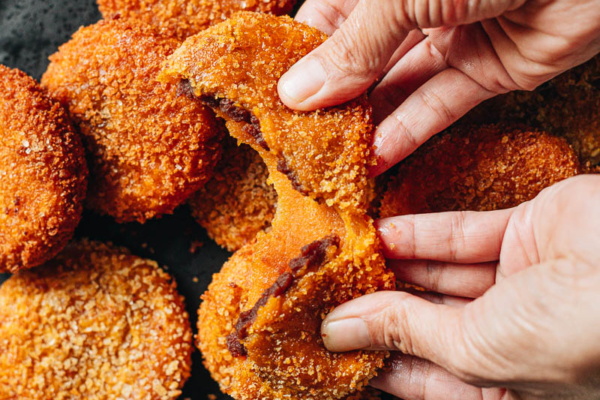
(567, 106)
(96, 322)
(43, 174)
(146, 153)
(184, 18)
(479, 169)
(310, 146)
(238, 202)
(270, 298)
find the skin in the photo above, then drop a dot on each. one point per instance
(515, 314)
(433, 61)
(514, 309)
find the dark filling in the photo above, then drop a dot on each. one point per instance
(238, 114)
(185, 89)
(311, 258)
(284, 168)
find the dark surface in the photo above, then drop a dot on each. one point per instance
(30, 31)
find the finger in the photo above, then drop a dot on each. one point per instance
(433, 107)
(352, 59)
(515, 333)
(456, 237)
(391, 321)
(437, 298)
(413, 39)
(412, 378)
(464, 280)
(325, 15)
(418, 66)
(349, 62)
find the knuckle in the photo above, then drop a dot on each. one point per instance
(348, 54)
(457, 234)
(434, 273)
(330, 11)
(393, 328)
(433, 102)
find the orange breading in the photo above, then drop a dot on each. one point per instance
(43, 174)
(184, 18)
(238, 202)
(150, 147)
(567, 106)
(259, 323)
(479, 169)
(94, 323)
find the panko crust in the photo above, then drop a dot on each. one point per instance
(43, 174)
(149, 147)
(238, 202)
(259, 323)
(567, 106)
(480, 168)
(94, 323)
(225, 64)
(184, 18)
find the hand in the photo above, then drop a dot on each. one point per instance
(436, 59)
(533, 327)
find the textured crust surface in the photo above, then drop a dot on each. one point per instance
(94, 323)
(184, 18)
(149, 147)
(478, 169)
(568, 106)
(259, 323)
(42, 174)
(310, 147)
(238, 202)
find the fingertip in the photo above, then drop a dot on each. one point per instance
(380, 166)
(302, 82)
(345, 334)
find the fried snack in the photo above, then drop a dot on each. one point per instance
(567, 106)
(238, 202)
(149, 147)
(94, 323)
(184, 18)
(259, 323)
(479, 169)
(43, 174)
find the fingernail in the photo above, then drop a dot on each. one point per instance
(345, 335)
(303, 80)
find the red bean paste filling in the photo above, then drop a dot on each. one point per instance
(237, 114)
(312, 257)
(251, 127)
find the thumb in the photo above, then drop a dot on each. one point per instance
(354, 57)
(509, 334)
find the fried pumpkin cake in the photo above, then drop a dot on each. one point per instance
(184, 18)
(94, 323)
(479, 168)
(43, 174)
(149, 147)
(259, 323)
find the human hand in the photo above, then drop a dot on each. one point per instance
(518, 303)
(434, 59)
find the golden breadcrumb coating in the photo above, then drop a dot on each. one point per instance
(479, 169)
(149, 146)
(238, 202)
(43, 174)
(259, 323)
(567, 106)
(95, 323)
(310, 147)
(184, 18)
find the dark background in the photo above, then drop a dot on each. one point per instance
(32, 30)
